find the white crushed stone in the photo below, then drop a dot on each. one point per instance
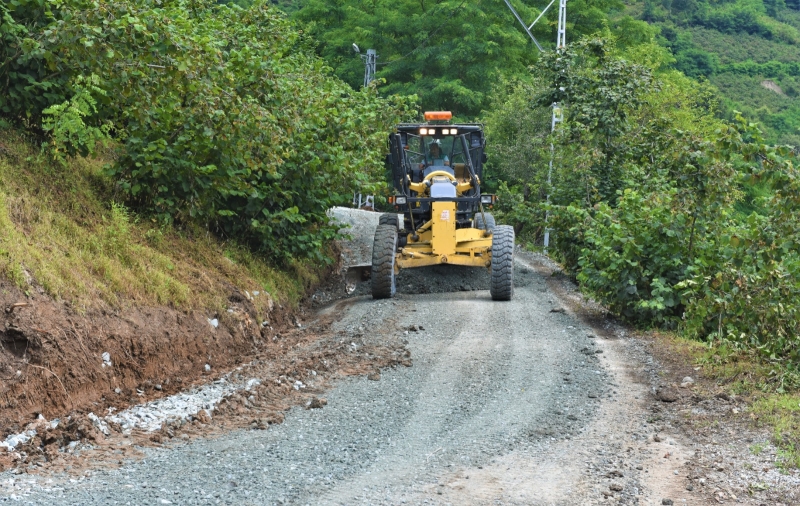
(151, 416)
(13, 440)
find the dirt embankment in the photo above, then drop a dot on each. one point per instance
(61, 365)
(56, 360)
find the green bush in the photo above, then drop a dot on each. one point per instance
(635, 254)
(696, 63)
(751, 295)
(223, 116)
(28, 81)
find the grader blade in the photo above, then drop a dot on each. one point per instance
(356, 249)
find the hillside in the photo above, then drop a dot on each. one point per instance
(748, 49)
(161, 221)
(99, 303)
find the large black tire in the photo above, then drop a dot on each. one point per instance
(383, 254)
(490, 223)
(389, 219)
(502, 286)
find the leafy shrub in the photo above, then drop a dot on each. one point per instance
(224, 116)
(28, 82)
(751, 295)
(696, 63)
(516, 205)
(732, 18)
(770, 68)
(69, 134)
(635, 254)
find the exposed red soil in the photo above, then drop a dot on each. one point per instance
(51, 363)
(51, 360)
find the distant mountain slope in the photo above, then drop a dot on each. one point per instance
(749, 49)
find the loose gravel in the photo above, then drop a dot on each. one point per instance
(488, 378)
(517, 402)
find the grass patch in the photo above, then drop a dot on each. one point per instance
(781, 412)
(63, 233)
(757, 448)
(772, 388)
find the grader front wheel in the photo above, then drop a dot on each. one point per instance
(384, 247)
(502, 284)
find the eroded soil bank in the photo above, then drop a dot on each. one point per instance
(58, 361)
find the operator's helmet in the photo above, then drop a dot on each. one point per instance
(435, 142)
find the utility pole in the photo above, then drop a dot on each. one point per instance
(558, 116)
(369, 66)
(369, 75)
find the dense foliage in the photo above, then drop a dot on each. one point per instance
(724, 41)
(221, 115)
(751, 294)
(644, 194)
(451, 52)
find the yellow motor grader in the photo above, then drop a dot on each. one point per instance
(436, 170)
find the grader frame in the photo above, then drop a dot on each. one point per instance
(444, 220)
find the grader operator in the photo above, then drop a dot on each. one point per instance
(436, 170)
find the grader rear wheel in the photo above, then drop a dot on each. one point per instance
(490, 223)
(502, 284)
(384, 247)
(389, 219)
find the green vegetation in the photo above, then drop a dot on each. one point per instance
(646, 199)
(63, 233)
(450, 53)
(747, 48)
(782, 414)
(222, 116)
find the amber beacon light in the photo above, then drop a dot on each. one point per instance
(438, 115)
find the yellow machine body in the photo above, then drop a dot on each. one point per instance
(439, 242)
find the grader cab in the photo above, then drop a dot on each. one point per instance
(436, 170)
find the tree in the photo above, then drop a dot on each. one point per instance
(450, 53)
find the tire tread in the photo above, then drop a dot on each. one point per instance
(502, 277)
(490, 221)
(389, 219)
(384, 247)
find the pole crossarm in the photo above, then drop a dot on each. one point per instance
(542, 13)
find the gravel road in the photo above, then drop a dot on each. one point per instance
(516, 402)
(538, 401)
(488, 378)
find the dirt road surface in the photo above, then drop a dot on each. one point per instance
(536, 401)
